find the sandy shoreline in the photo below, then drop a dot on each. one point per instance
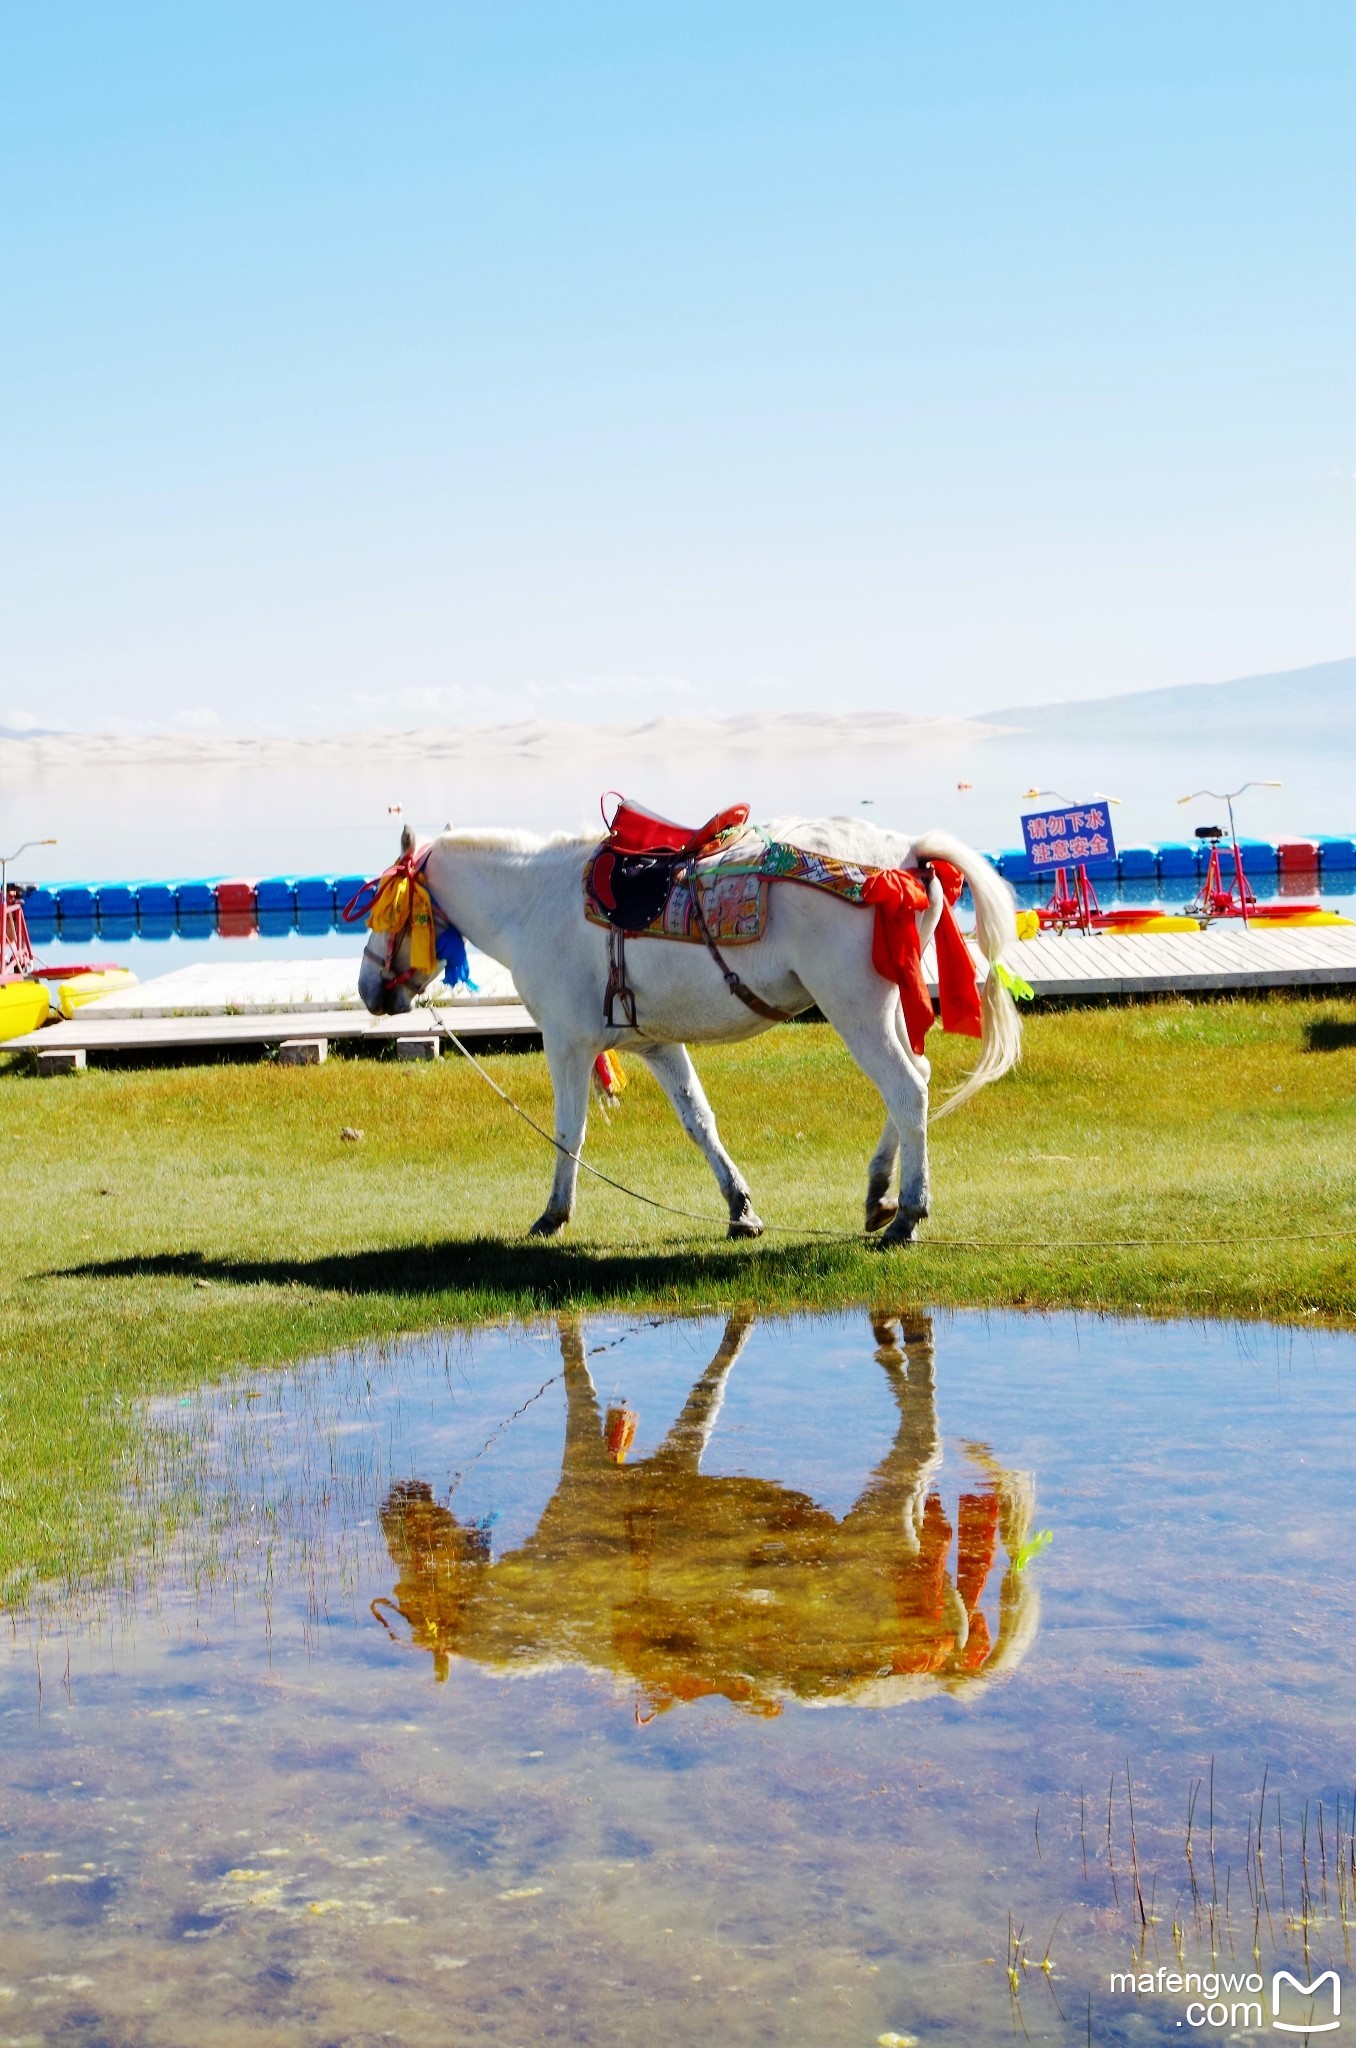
(534, 739)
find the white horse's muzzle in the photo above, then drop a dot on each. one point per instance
(381, 992)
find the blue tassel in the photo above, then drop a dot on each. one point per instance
(451, 950)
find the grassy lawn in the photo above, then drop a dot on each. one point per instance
(168, 1225)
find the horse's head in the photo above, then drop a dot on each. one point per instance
(441, 1563)
(388, 981)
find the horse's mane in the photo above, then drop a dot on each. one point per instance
(847, 838)
(512, 839)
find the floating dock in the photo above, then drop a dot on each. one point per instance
(277, 904)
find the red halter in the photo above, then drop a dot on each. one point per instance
(406, 868)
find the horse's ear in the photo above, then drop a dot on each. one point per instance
(406, 839)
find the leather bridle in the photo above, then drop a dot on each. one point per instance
(407, 868)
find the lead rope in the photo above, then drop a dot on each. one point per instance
(692, 1215)
(946, 1244)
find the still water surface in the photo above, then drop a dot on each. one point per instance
(118, 823)
(703, 1680)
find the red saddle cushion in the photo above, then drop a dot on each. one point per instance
(633, 829)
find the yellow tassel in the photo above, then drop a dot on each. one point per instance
(619, 1431)
(403, 903)
(609, 1078)
(423, 938)
(390, 905)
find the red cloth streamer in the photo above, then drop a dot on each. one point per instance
(898, 894)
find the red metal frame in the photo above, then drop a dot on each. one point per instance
(16, 948)
(1070, 904)
(17, 959)
(1214, 900)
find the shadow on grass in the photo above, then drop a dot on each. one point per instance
(1330, 1034)
(527, 1275)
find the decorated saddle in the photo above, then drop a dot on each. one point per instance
(708, 885)
(631, 878)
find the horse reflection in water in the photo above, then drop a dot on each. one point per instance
(691, 1585)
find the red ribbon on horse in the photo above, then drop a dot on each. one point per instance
(898, 894)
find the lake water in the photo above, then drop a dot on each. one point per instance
(127, 823)
(703, 1680)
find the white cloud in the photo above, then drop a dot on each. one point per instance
(202, 719)
(20, 721)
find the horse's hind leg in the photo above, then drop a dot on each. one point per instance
(881, 1207)
(867, 1021)
(676, 1075)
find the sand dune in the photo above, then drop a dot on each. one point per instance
(779, 734)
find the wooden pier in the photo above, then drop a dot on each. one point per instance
(268, 1006)
(476, 1023)
(1225, 959)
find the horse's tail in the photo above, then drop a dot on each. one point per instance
(1000, 1043)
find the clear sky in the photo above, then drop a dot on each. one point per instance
(430, 363)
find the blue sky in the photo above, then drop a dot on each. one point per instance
(391, 365)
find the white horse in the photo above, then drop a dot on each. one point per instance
(520, 898)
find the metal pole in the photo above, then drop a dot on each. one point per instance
(5, 859)
(1238, 863)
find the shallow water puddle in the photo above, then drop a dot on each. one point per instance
(741, 1681)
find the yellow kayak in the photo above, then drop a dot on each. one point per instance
(1158, 921)
(1305, 922)
(87, 988)
(23, 1007)
(1029, 924)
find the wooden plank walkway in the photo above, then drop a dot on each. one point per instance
(1217, 961)
(1066, 964)
(260, 988)
(475, 1022)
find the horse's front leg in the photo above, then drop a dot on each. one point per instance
(570, 1067)
(676, 1075)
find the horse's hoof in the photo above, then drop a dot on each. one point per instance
(548, 1225)
(904, 1229)
(879, 1214)
(746, 1224)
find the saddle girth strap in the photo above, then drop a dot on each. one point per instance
(732, 981)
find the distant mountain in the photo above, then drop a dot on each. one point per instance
(1295, 707)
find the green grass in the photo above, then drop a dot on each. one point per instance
(165, 1226)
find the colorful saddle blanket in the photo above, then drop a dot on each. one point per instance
(733, 881)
